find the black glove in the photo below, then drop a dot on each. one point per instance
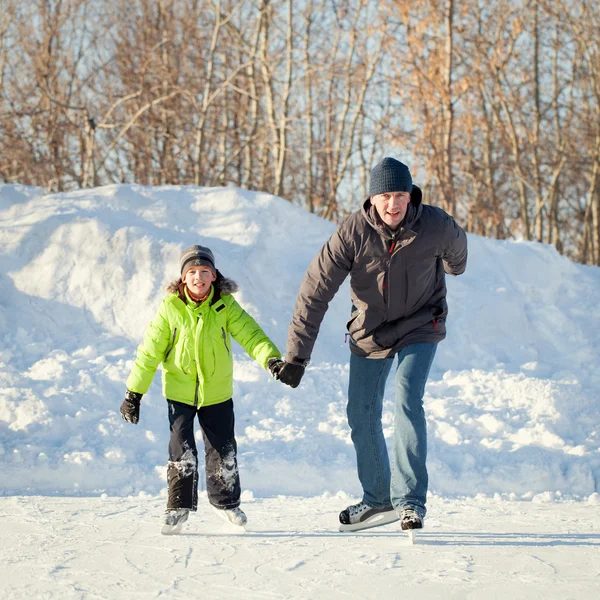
(274, 365)
(291, 374)
(130, 409)
(386, 335)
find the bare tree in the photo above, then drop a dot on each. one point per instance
(434, 87)
(355, 59)
(583, 20)
(496, 105)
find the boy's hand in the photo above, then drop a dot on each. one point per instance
(130, 409)
(274, 365)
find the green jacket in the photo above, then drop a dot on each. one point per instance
(193, 343)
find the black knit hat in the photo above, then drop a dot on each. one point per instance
(390, 175)
(197, 256)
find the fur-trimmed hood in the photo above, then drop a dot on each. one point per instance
(222, 284)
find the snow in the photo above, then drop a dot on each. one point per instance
(512, 405)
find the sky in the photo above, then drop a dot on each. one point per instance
(512, 408)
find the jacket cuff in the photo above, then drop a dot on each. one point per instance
(133, 396)
(297, 361)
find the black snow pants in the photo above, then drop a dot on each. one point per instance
(220, 453)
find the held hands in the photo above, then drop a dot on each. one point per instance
(274, 365)
(130, 409)
(286, 372)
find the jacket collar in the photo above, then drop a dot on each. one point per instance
(221, 287)
(195, 306)
(413, 212)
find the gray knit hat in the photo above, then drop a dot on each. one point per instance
(390, 175)
(197, 256)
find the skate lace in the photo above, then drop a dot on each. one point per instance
(174, 516)
(356, 509)
(410, 514)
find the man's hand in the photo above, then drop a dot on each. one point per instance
(130, 409)
(386, 335)
(290, 373)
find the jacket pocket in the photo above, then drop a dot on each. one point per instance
(224, 336)
(171, 346)
(389, 334)
(218, 354)
(356, 322)
(183, 353)
(425, 280)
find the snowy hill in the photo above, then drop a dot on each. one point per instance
(512, 403)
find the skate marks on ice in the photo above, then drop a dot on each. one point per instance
(510, 539)
(112, 548)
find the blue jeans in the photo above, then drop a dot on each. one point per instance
(405, 484)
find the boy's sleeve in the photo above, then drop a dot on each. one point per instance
(249, 335)
(150, 352)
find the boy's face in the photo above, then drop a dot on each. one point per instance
(198, 280)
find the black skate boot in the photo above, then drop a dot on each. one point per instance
(362, 516)
(410, 519)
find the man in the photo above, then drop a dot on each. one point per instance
(396, 251)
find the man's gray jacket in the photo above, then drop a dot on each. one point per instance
(397, 281)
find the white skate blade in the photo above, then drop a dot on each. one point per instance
(411, 536)
(224, 517)
(375, 521)
(172, 529)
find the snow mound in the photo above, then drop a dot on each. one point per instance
(512, 401)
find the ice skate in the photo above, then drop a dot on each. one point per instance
(236, 516)
(174, 520)
(362, 516)
(410, 520)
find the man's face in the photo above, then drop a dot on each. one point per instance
(391, 207)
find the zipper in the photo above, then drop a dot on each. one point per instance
(196, 356)
(387, 278)
(225, 340)
(172, 344)
(391, 250)
(387, 282)
(388, 286)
